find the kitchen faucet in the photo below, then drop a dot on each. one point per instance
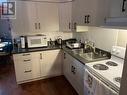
(89, 44)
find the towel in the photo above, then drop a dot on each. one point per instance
(89, 83)
(103, 89)
(94, 86)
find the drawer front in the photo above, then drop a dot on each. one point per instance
(20, 59)
(23, 56)
(24, 72)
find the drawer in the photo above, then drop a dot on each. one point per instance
(26, 61)
(22, 56)
(24, 73)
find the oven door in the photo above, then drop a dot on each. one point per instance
(94, 86)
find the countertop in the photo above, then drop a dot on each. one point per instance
(64, 48)
(18, 51)
(78, 57)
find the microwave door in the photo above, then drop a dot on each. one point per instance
(34, 42)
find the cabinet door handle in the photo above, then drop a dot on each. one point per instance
(74, 72)
(27, 60)
(40, 55)
(27, 71)
(25, 54)
(88, 19)
(36, 26)
(124, 5)
(64, 55)
(69, 25)
(72, 69)
(75, 24)
(39, 25)
(85, 18)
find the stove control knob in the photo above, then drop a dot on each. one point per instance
(114, 50)
(118, 51)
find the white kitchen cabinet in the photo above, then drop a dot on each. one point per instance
(51, 63)
(67, 60)
(27, 66)
(117, 8)
(36, 65)
(26, 18)
(78, 76)
(65, 15)
(35, 17)
(88, 12)
(74, 72)
(48, 17)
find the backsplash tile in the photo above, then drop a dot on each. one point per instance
(103, 38)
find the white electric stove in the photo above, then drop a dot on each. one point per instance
(109, 71)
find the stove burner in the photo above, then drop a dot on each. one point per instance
(110, 63)
(100, 67)
(117, 79)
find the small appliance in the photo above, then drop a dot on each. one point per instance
(22, 40)
(59, 40)
(35, 41)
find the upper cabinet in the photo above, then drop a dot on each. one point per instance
(48, 16)
(65, 16)
(35, 17)
(117, 13)
(118, 8)
(24, 22)
(88, 12)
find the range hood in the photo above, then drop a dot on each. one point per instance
(116, 21)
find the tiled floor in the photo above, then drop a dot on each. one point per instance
(53, 86)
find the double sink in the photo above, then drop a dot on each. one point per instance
(90, 56)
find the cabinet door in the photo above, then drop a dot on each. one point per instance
(79, 76)
(48, 18)
(26, 17)
(118, 8)
(74, 72)
(65, 11)
(82, 9)
(36, 66)
(53, 64)
(67, 66)
(88, 12)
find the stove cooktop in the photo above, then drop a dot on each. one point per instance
(100, 67)
(109, 70)
(111, 63)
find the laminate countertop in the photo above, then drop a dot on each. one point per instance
(81, 59)
(64, 48)
(26, 50)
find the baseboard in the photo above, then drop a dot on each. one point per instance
(39, 78)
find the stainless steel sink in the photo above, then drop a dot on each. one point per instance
(77, 51)
(91, 56)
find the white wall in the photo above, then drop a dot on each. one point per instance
(4, 29)
(122, 38)
(52, 35)
(103, 38)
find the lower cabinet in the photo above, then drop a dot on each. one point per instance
(27, 66)
(74, 72)
(36, 65)
(51, 63)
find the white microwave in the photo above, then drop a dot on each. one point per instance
(37, 41)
